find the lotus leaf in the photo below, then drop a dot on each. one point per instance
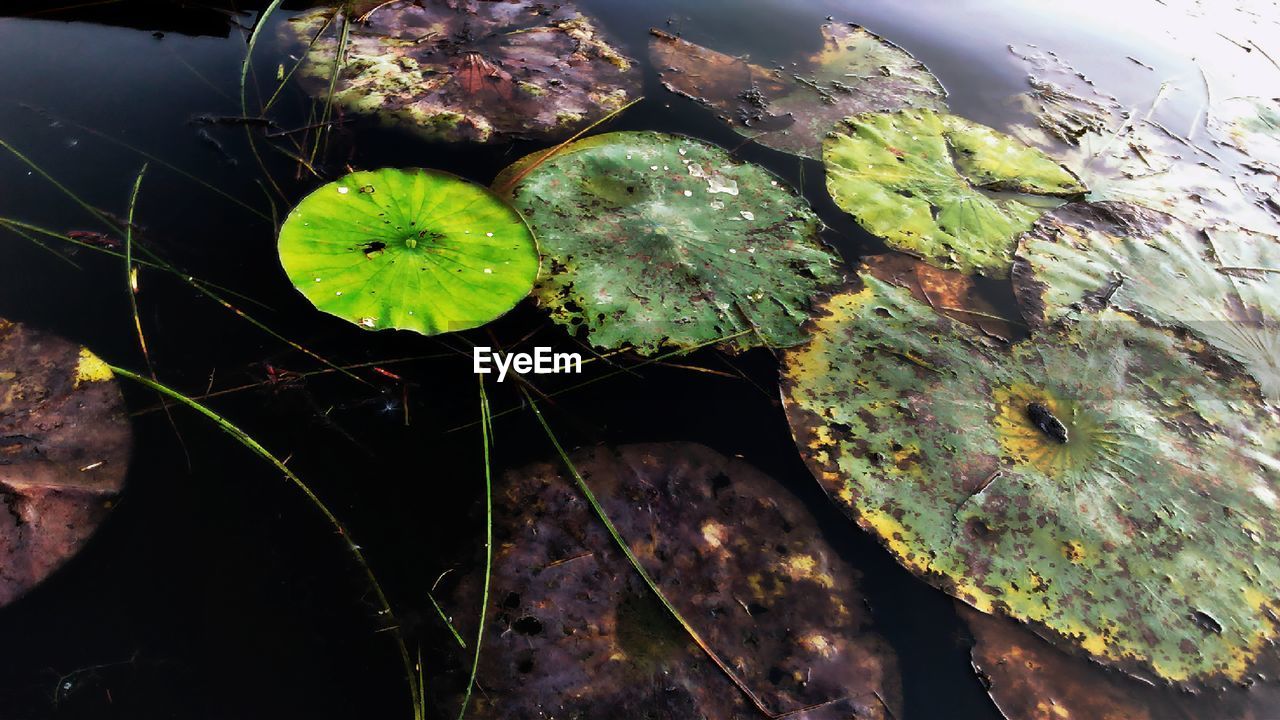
(651, 240)
(417, 250)
(65, 442)
(1104, 481)
(575, 633)
(476, 70)
(855, 72)
(941, 187)
(1222, 285)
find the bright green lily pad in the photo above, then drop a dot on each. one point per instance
(417, 250)
(941, 187)
(653, 240)
(1097, 481)
(1222, 285)
(856, 71)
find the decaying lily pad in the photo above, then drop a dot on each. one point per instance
(954, 294)
(938, 186)
(855, 72)
(476, 70)
(1096, 481)
(1222, 285)
(1125, 155)
(418, 250)
(652, 240)
(65, 442)
(576, 634)
(1028, 679)
(1252, 126)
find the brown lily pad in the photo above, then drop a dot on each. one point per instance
(1029, 679)
(466, 70)
(954, 294)
(574, 632)
(65, 442)
(855, 72)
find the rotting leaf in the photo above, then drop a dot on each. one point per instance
(1160, 504)
(1126, 155)
(65, 442)
(576, 633)
(941, 187)
(1252, 126)
(471, 70)
(1028, 679)
(954, 294)
(653, 240)
(855, 72)
(1222, 285)
(417, 250)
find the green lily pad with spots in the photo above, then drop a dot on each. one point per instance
(855, 71)
(652, 240)
(1222, 285)
(951, 191)
(417, 250)
(1106, 482)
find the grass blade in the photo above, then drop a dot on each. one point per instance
(639, 568)
(22, 233)
(246, 67)
(509, 185)
(486, 431)
(385, 611)
(344, 36)
(131, 286)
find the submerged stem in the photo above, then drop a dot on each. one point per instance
(131, 288)
(486, 431)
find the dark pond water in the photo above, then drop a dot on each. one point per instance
(215, 590)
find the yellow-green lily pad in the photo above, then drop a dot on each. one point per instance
(417, 250)
(953, 192)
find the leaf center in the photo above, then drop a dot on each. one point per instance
(1046, 422)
